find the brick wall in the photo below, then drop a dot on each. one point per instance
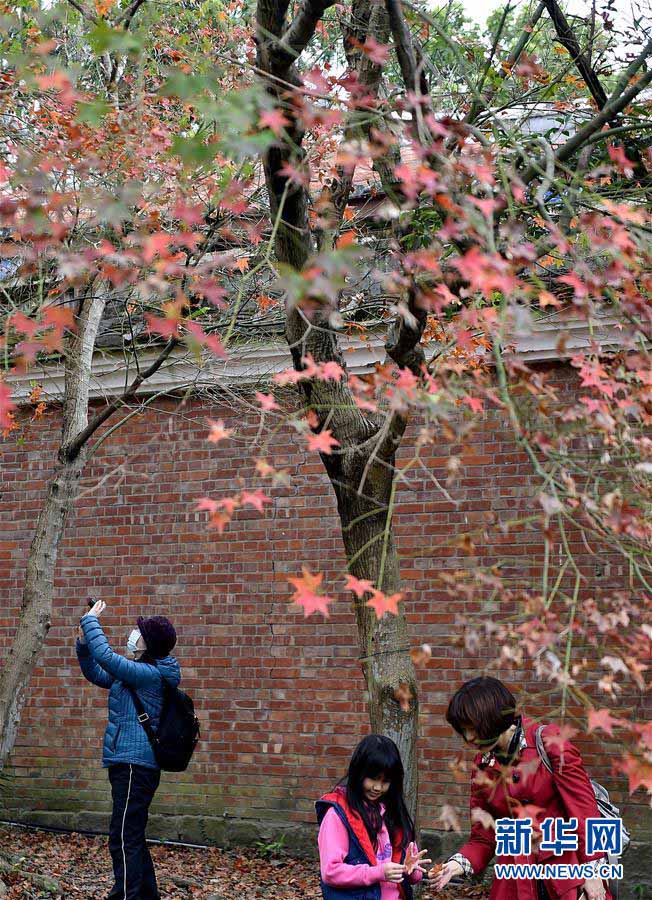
(280, 697)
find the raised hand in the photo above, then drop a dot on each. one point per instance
(97, 609)
(414, 859)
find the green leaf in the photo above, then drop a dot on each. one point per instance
(102, 38)
(193, 150)
(92, 112)
(186, 87)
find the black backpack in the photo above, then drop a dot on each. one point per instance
(178, 732)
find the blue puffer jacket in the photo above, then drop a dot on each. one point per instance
(125, 740)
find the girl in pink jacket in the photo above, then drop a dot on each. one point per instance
(366, 834)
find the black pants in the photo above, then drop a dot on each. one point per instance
(132, 790)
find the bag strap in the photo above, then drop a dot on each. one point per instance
(541, 750)
(143, 717)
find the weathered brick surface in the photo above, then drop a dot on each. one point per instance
(280, 697)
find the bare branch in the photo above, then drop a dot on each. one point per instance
(404, 47)
(480, 102)
(299, 34)
(568, 40)
(129, 13)
(86, 13)
(71, 449)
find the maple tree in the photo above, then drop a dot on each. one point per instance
(132, 195)
(112, 241)
(492, 221)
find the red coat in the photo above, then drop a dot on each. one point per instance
(502, 791)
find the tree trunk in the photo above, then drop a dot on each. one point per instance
(36, 609)
(366, 519)
(364, 509)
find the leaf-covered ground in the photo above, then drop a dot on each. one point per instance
(81, 867)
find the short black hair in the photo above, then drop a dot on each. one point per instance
(483, 704)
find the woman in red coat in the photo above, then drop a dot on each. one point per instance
(510, 781)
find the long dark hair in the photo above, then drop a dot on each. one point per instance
(378, 755)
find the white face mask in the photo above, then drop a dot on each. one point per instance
(132, 642)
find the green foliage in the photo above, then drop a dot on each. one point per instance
(102, 38)
(268, 850)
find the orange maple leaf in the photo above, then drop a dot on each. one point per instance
(384, 603)
(218, 432)
(345, 240)
(306, 595)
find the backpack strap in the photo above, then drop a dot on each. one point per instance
(541, 750)
(143, 717)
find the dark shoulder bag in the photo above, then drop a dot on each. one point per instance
(177, 735)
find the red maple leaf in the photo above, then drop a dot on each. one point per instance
(156, 245)
(205, 504)
(167, 328)
(324, 442)
(61, 317)
(579, 287)
(211, 341)
(638, 771)
(191, 215)
(331, 371)
(620, 160)
(257, 499)
(306, 595)
(6, 406)
(210, 290)
(376, 52)
(474, 403)
(22, 323)
(359, 586)
(601, 718)
(384, 603)
(266, 401)
(274, 120)
(295, 175)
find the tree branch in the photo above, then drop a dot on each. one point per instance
(568, 40)
(129, 13)
(289, 47)
(585, 134)
(72, 448)
(403, 45)
(85, 13)
(403, 342)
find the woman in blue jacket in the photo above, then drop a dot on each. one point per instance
(133, 771)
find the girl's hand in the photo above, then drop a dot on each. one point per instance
(80, 635)
(97, 609)
(393, 872)
(414, 859)
(594, 889)
(448, 870)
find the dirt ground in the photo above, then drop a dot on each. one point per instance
(80, 867)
